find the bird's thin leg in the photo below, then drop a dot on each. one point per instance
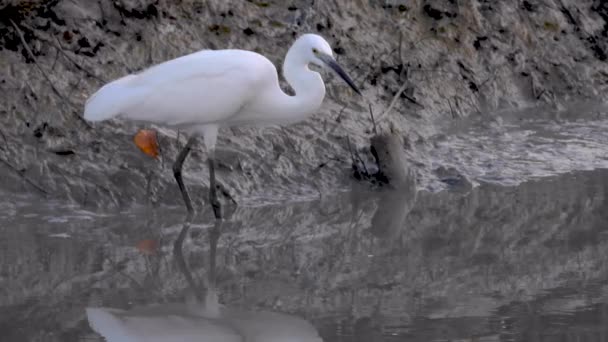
(177, 172)
(215, 203)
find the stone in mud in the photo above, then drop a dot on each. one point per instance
(397, 201)
(455, 180)
(393, 168)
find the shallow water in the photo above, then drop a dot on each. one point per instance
(511, 148)
(519, 263)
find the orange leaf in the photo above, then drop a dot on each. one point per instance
(148, 246)
(146, 140)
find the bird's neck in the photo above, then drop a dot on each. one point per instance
(308, 87)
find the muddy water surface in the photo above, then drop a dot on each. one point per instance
(513, 263)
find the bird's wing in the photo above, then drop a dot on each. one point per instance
(201, 88)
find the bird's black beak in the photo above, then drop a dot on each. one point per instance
(333, 65)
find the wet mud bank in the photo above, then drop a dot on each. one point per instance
(422, 65)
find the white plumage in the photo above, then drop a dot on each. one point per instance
(206, 90)
(205, 87)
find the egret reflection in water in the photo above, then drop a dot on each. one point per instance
(198, 320)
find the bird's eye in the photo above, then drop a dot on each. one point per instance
(314, 50)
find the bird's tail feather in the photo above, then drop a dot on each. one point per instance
(109, 101)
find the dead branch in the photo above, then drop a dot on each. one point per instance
(46, 76)
(4, 138)
(394, 101)
(31, 54)
(339, 117)
(371, 114)
(400, 46)
(353, 154)
(57, 45)
(337, 120)
(452, 110)
(55, 60)
(27, 180)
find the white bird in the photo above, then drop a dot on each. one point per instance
(187, 323)
(209, 89)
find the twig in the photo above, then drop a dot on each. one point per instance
(57, 45)
(353, 154)
(394, 101)
(339, 117)
(31, 54)
(540, 94)
(4, 138)
(337, 120)
(55, 61)
(451, 109)
(413, 100)
(30, 182)
(400, 46)
(329, 160)
(46, 76)
(371, 114)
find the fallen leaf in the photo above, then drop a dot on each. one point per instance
(147, 247)
(146, 140)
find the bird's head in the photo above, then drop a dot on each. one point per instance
(316, 50)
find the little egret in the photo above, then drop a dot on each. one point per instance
(209, 89)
